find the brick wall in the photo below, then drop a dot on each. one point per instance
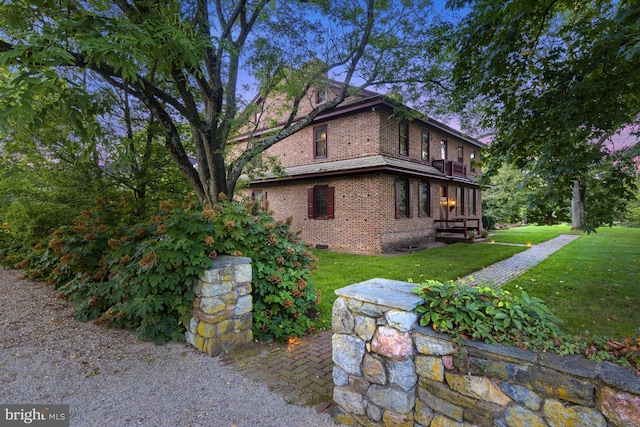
(364, 213)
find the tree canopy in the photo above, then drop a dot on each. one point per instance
(555, 80)
(189, 62)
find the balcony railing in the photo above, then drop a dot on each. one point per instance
(458, 226)
(450, 168)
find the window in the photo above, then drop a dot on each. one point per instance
(425, 145)
(260, 197)
(460, 154)
(424, 199)
(403, 138)
(320, 141)
(460, 201)
(443, 149)
(472, 155)
(474, 201)
(403, 198)
(320, 202)
(321, 97)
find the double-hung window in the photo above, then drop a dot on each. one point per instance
(403, 198)
(321, 96)
(443, 149)
(460, 154)
(320, 202)
(425, 145)
(403, 138)
(320, 141)
(472, 155)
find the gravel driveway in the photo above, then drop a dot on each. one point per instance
(110, 379)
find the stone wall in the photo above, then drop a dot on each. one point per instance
(389, 371)
(222, 309)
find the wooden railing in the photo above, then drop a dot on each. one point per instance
(450, 168)
(458, 226)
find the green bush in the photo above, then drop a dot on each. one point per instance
(496, 316)
(27, 222)
(140, 275)
(488, 222)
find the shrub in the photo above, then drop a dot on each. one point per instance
(488, 222)
(499, 317)
(140, 275)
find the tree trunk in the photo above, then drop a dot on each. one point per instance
(577, 204)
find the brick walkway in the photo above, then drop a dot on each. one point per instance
(506, 270)
(302, 370)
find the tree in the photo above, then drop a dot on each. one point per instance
(186, 62)
(555, 79)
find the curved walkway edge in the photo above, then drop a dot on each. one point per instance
(506, 270)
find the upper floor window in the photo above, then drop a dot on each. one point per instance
(320, 141)
(425, 145)
(460, 154)
(424, 199)
(321, 96)
(443, 149)
(320, 202)
(472, 155)
(403, 198)
(403, 138)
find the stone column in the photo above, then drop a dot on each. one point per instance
(222, 309)
(375, 376)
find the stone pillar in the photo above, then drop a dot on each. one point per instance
(374, 376)
(222, 309)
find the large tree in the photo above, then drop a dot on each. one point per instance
(555, 80)
(188, 62)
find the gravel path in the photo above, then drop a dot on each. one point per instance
(110, 379)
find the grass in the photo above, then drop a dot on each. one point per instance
(530, 234)
(592, 284)
(337, 270)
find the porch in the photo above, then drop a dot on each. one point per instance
(456, 229)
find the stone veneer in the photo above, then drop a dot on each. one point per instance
(222, 309)
(389, 371)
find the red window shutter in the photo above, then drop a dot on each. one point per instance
(310, 200)
(330, 202)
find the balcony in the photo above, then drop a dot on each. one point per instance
(450, 168)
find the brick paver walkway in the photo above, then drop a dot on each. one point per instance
(302, 370)
(506, 270)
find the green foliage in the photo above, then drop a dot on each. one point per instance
(554, 81)
(487, 314)
(497, 316)
(140, 275)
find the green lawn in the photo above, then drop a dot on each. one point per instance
(593, 283)
(530, 234)
(337, 270)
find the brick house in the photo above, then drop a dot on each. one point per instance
(360, 179)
